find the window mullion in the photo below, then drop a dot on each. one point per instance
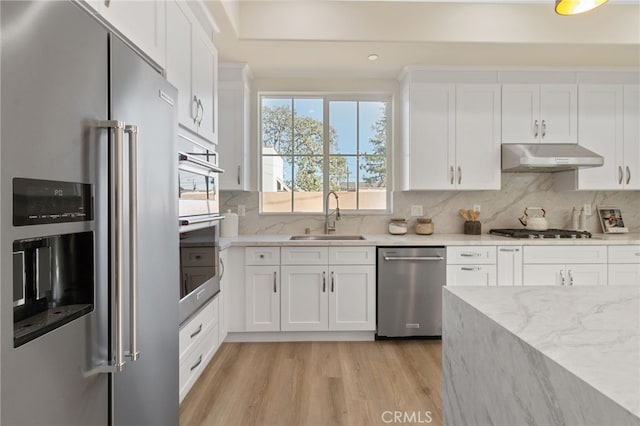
(357, 182)
(326, 149)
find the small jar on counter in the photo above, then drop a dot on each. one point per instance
(424, 226)
(397, 226)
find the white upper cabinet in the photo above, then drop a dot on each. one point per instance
(192, 68)
(234, 98)
(451, 136)
(534, 113)
(142, 22)
(609, 123)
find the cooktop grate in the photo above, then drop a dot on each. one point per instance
(549, 233)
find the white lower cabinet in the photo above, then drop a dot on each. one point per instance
(624, 265)
(509, 265)
(304, 298)
(565, 265)
(471, 265)
(319, 296)
(262, 292)
(199, 341)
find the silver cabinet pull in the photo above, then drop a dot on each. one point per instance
(453, 175)
(470, 254)
(333, 281)
(275, 278)
(201, 108)
(107, 3)
(195, 333)
(620, 177)
(570, 277)
(194, 103)
(198, 362)
(561, 277)
(238, 175)
(535, 129)
(544, 129)
(469, 268)
(509, 250)
(628, 175)
(132, 131)
(324, 281)
(221, 267)
(459, 175)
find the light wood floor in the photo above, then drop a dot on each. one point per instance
(318, 383)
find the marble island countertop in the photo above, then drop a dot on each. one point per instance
(430, 240)
(592, 332)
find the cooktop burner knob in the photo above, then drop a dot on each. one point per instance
(574, 236)
(558, 236)
(531, 236)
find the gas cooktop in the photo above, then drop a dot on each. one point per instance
(549, 233)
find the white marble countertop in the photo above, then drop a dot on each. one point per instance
(593, 332)
(429, 240)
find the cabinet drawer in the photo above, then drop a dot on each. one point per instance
(305, 255)
(196, 359)
(565, 254)
(197, 256)
(464, 255)
(352, 255)
(471, 275)
(262, 255)
(194, 330)
(624, 254)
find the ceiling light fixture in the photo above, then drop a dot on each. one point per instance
(573, 7)
(373, 57)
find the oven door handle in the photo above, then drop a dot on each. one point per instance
(195, 165)
(133, 353)
(213, 218)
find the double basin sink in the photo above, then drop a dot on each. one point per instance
(325, 237)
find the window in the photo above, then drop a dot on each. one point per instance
(315, 144)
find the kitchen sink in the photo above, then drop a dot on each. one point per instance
(326, 237)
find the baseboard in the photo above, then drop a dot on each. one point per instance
(302, 336)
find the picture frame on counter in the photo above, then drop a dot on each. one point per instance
(611, 220)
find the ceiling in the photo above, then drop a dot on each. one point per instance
(332, 38)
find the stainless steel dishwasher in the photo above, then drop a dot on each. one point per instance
(410, 281)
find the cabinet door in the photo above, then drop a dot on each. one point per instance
(142, 22)
(477, 136)
(631, 137)
(581, 274)
(205, 82)
(624, 274)
(543, 274)
(520, 113)
(429, 149)
(474, 275)
(600, 126)
(352, 298)
(558, 113)
(509, 265)
(233, 132)
(180, 24)
(304, 298)
(262, 292)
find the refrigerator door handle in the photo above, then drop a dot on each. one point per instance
(132, 131)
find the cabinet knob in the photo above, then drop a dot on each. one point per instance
(262, 256)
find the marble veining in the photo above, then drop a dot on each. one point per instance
(500, 209)
(562, 355)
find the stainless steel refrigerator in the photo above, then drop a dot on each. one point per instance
(89, 272)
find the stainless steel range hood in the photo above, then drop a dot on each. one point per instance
(547, 157)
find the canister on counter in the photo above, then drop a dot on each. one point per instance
(424, 226)
(397, 226)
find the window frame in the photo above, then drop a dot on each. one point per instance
(327, 98)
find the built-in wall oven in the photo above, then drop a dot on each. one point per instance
(199, 221)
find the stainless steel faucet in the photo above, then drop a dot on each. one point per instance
(328, 228)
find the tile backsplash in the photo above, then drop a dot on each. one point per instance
(499, 209)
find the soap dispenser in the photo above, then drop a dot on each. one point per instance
(582, 221)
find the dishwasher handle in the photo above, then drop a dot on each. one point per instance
(417, 258)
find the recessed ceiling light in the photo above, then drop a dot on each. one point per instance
(373, 57)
